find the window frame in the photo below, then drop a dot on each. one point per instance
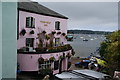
(30, 43)
(57, 25)
(45, 65)
(30, 22)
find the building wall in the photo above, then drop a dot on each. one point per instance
(0, 40)
(39, 27)
(29, 62)
(9, 39)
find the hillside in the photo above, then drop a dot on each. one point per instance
(87, 32)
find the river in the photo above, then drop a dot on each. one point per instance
(85, 48)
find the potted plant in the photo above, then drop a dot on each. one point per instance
(23, 31)
(32, 32)
(52, 59)
(41, 60)
(53, 32)
(44, 32)
(63, 34)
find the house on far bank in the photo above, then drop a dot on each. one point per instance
(41, 39)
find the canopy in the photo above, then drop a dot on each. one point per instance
(101, 62)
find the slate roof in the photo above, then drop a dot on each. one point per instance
(37, 8)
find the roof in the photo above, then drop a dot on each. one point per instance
(92, 73)
(37, 8)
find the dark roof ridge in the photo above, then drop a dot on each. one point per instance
(37, 8)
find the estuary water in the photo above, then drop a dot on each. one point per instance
(85, 48)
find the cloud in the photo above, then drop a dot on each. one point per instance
(99, 15)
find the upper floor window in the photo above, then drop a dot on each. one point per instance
(30, 22)
(57, 25)
(30, 42)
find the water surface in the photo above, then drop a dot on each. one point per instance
(85, 48)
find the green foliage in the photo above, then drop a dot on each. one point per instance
(52, 58)
(110, 50)
(51, 43)
(47, 37)
(54, 49)
(41, 60)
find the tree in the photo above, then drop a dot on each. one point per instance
(110, 50)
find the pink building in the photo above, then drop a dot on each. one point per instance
(41, 42)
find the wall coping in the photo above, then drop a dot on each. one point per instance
(27, 52)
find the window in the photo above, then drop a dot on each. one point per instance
(30, 42)
(30, 22)
(57, 41)
(45, 65)
(57, 25)
(56, 65)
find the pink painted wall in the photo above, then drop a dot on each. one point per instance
(29, 62)
(39, 27)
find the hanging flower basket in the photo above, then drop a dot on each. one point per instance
(23, 31)
(52, 59)
(53, 32)
(66, 37)
(32, 32)
(58, 33)
(44, 32)
(63, 34)
(41, 60)
(68, 55)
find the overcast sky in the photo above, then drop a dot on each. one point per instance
(102, 16)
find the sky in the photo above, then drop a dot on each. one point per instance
(97, 16)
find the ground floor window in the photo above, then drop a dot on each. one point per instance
(45, 65)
